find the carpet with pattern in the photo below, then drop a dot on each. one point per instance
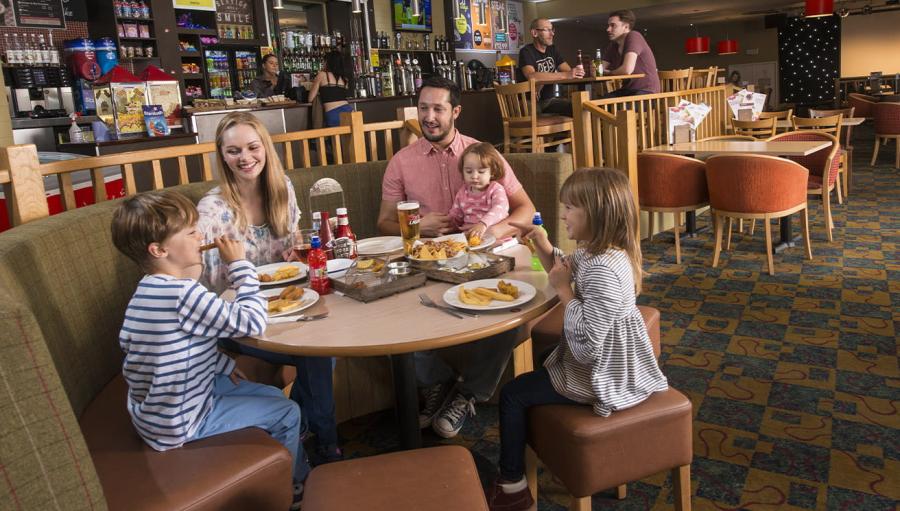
(793, 377)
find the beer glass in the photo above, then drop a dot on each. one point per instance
(408, 216)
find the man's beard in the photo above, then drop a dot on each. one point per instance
(436, 138)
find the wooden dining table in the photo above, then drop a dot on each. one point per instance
(709, 148)
(400, 325)
(845, 121)
(587, 82)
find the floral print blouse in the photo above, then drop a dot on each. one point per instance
(261, 245)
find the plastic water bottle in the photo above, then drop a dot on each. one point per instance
(535, 259)
(318, 267)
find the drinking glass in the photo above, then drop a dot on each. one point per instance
(408, 216)
(302, 242)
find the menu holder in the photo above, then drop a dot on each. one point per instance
(370, 289)
(745, 114)
(496, 265)
(683, 134)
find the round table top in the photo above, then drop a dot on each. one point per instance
(400, 323)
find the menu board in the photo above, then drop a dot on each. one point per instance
(40, 13)
(238, 12)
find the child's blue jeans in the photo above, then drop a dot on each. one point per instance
(249, 404)
(516, 397)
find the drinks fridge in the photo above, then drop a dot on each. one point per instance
(230, 72)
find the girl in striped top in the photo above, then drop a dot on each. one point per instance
(604, 357)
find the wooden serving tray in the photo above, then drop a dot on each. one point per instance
(497, 265)
(371, 292)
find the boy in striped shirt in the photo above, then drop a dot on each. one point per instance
(180, 386)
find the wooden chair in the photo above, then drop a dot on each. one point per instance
(887, 126)
(822, 165)
(756, 186)
(846, 146)
(760, 130)
(523, 128)
(669, 183)
(864, 105)
(779, 115)
(702, 78)
(675, 80)
(827, 124)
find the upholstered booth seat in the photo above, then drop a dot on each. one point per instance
(435, 479)
(244, 469)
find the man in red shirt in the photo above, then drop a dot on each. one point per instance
(628, 53)
(427, 171)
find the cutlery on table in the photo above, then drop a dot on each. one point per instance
(428, 302)
(301, 317)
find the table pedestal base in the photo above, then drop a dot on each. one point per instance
(407, 397)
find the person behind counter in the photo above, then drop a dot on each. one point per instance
(270, 82)
(334, 87)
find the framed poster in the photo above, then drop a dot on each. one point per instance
(197, 5)
(40, 13)
(462, 26)
(515, 29)
(482, 38)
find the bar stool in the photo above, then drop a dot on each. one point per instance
(523, 128)
(589, 453)
(887, 126)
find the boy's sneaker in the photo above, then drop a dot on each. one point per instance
(298, 497)
(499, 500)
(453, 415)
(432, 402)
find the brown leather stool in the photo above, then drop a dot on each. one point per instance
(435, 479)
(589, 453)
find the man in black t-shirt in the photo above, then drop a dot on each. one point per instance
(541, 60)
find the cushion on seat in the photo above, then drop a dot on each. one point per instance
(589, 453)
(542, 120)
(245, 469)
(439, 479)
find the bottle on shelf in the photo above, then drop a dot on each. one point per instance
(398, 44)
(75, 134)
(535, 259)
(318, 267)
(387, 78)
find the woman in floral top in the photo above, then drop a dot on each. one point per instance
(255, 203)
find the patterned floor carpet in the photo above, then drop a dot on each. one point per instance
(793, 378)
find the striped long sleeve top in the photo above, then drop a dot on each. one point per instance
(170, 337)
(605, 356)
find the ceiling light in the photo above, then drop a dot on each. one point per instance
(819, 8)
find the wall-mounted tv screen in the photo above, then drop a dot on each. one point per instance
(404, 19)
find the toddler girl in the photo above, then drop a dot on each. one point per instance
(604, 357)
(482, 201)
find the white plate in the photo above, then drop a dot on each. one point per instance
(270, 269)
(526, 293)
(308, 299)
(486, 241)
(338, 267)
(378, 246)
(455, 237)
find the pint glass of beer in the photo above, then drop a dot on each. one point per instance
(408, 214)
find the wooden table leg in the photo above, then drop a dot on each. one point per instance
(407, 398)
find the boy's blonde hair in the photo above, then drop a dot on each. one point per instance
(274, 189)
(605, 196)
(488, 156)
(150, 217)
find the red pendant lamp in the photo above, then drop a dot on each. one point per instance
(819, 8)
(696, 45)
(727, 47)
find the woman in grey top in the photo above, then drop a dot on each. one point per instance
(270, 82)
(605, 358)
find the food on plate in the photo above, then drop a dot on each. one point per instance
(474, 240)
(372, 265)
(291, 293)
(505, 292)
(280, 305)
(282, 273)
(507, 288)
(434, 250)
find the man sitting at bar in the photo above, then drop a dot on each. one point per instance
(628, 53)
(427, 171)
(541, 60)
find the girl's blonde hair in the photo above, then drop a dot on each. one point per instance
(605, 196)
(274, 189)
(488, 156)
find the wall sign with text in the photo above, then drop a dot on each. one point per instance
(197, 5)
(40, 13)
(234, 11)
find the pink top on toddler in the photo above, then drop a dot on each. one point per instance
(489, 206)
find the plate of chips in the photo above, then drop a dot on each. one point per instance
(292, 299)
(490, 294)
(440, 249)
(281, 273)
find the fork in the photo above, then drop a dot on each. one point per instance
(301, 317)
(428, 302)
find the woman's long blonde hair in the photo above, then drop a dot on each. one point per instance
(274, 189)
(605, 196)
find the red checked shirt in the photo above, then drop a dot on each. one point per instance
(430, 176)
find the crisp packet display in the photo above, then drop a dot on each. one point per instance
(745, 99)
(686, 113)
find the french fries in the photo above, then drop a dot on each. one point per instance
(505, 292)
(475, 240)
(280, 305)
(285, 272)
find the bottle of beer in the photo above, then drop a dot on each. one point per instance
(598, 63)
(318, 267)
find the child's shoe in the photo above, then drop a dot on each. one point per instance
(298, 497)
(518, 500)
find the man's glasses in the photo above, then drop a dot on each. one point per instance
(546, 30)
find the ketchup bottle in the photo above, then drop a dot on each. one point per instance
(326, 235)
(344, 231)
(318, 268)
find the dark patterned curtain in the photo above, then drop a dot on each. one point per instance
(809, 59)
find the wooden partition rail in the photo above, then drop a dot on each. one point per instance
(24, 184)
(844, 85)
